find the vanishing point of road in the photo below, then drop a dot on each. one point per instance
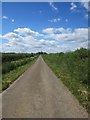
(38, 93)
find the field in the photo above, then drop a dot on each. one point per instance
(13, 65)
(72, 69)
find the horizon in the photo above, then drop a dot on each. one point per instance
(42, 52)
(50, 27)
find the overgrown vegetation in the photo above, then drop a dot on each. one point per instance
(13, 65)
(72, 69)
(8, 57)
(8, 66)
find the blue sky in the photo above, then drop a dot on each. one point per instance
(52, 27)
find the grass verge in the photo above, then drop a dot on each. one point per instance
(73, 72)
(9, 78)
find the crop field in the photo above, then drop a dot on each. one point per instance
(72, 69)
(13, 65)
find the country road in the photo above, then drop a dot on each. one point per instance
(38, 93)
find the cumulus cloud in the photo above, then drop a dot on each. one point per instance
(73, 6)
(12, 36)
(55, 30)
(27, 32)
(64, 35)
(24, 40)
(54, 20)
(14, 47)
(52, 40)
(53, 6)
(47, 42)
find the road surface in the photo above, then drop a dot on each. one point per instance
(38, 93)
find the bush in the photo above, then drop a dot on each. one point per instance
(7, 57)
(8, 66)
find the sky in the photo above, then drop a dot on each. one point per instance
(44, 26)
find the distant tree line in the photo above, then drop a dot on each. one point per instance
(41, 53)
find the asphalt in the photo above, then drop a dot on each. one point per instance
(38, 93)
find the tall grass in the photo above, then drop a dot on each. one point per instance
(13, 65)
(72, 69)
(8, 66)
(10, 77)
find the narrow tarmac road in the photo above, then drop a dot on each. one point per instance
(38, 93)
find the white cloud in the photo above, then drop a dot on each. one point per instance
(23, 42)
(67, 35)
(27, 32)
(87, 16)
(66, 48)
(13, 20)
(73, 6)
(0, 36)
(55, 30)
(4, 17)
(47, 42)
(48, 30)
(54, 20)
(53, 6)
(85, 4)
(12, 36)
(52, 40)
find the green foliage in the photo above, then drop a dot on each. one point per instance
(11, 61)
(82, 53)
(13, 66)
(8, 66)
(7, 57)
(72, 69)
(10, 77)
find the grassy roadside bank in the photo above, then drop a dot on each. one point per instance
(72, 69)
(9, 77)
